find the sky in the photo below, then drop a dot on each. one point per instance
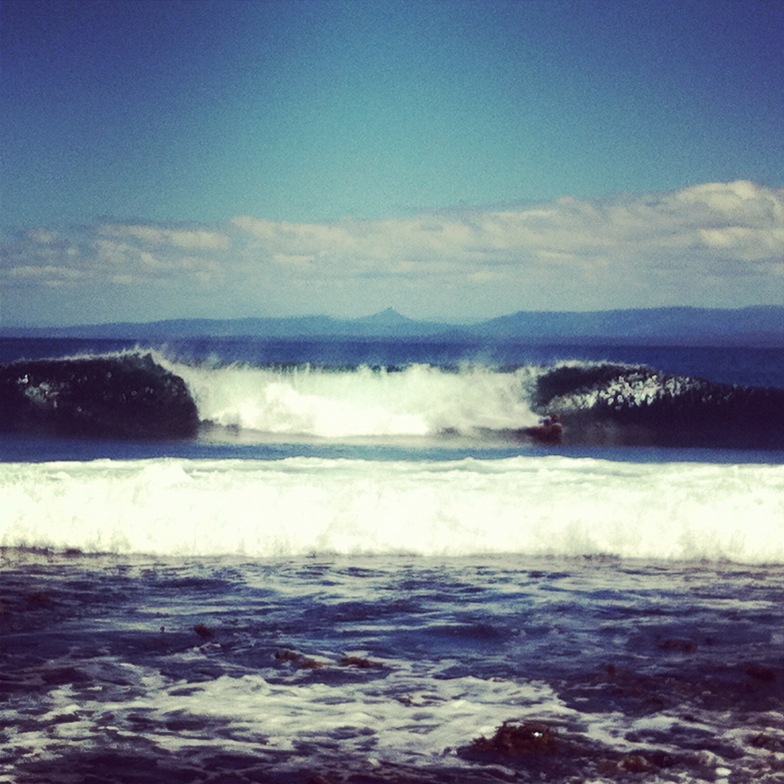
(453, 159)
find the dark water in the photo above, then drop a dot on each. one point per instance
(388, 669)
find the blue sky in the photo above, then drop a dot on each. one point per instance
(451, 159)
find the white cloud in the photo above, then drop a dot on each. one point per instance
(597, 253)
(48, 274)
(714, 244)
(189, 239)
(43, 236)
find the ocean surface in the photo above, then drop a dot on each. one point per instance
(238, 560)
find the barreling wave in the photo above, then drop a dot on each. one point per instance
(126, 395)
(145, 394)
(611, 403)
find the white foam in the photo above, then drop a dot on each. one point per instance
(634, 389)
(411, 718)
(530, 505)
(414, 716)
(416, 401)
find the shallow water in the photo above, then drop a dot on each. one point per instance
(388, 668)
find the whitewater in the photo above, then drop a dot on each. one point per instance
(300, 506)
(300, 561)
(417, 400)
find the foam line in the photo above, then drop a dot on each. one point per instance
(298, 506)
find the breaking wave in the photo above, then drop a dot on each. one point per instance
(126, 395)
(418, 400)
(628, 404)
(145, 394)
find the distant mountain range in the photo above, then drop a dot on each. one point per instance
(763, 325)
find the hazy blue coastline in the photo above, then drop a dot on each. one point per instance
(762, 325)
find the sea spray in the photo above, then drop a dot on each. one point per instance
(332, 403)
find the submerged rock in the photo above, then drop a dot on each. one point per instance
(513, 740)
(544, 752)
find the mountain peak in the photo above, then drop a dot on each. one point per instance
(388, 318)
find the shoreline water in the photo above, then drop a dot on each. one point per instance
(389, 669)
(308, 603)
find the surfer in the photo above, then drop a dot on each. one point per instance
(548, 430)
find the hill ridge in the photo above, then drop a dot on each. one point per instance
(752, 325)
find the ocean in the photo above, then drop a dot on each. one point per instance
(368, 561)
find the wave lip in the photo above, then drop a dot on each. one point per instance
(121, 396)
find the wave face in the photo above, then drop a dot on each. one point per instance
(537, 505)
(123, 395)
(602, 403)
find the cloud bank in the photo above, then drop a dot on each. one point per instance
(711, 245)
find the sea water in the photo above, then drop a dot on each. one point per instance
(358, 570)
